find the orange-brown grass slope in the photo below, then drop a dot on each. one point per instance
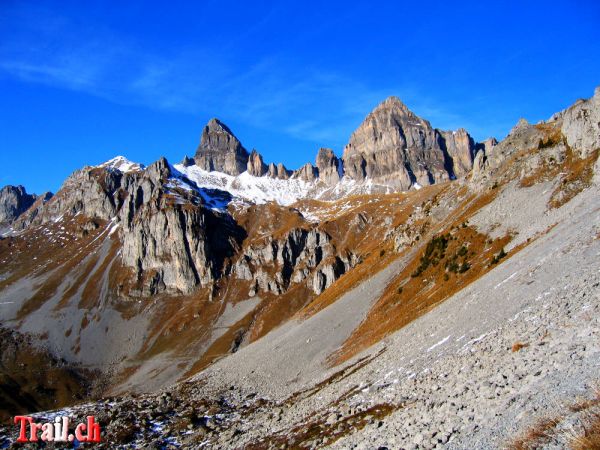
(47, 255)
(268, 220)
(447, 263)
(32, 380)
(369, 242)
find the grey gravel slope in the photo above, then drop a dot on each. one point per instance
(453, 368)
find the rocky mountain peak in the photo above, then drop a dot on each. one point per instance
(122, 164)
(220, 150)
(393, 103)
(329, 166)
(278, 171)
(256, 165)
(325, 158)
(307, 172)
(214, 125)
(187, 161)
(395, 147)
(14, 200)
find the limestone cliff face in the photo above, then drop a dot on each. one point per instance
(300, 256)
(14, 201)
(395, 147)
(581, 125)
(220, 150)
(460, 149)
(307, 172)
(278, 171)
(91, 191)
(170, 239)
(163, 242)
(256, 166)
(31, 214)
(329, 167)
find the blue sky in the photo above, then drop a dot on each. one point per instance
(81, 82)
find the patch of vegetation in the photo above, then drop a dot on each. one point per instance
(454, 265)
(579, 175)
(546, 429)
(551, 141)
(517, 346)
(318, 432)
(435, 251)
(496, 259)
(539, 434)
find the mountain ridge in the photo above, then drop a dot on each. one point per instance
(243, 287)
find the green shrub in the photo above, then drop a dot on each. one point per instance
(496, 259)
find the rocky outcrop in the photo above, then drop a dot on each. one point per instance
(187, 161)
(307, 172)
(487, 145)
(578, 127)
(256, 167)
(523, 137)
(278, 171)
(14, 201)
(329, 272)
(220, 150)
(460, 148)
(329, 167)
(169, 249)
(300, 256)
(581, 125)
(396, 148)
(95, 192)
(31, 215)
(171, 241)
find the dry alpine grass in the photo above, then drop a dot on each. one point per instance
(589, 438)
(539, 434)
(517, 346)
(546, 429)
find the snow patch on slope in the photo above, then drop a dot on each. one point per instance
(219, 189)
(122, 164)
(258, 190)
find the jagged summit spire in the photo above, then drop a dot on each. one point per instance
(220, 150)
(215, 124)
(392, 103)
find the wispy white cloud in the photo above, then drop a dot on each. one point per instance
(273, 93)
